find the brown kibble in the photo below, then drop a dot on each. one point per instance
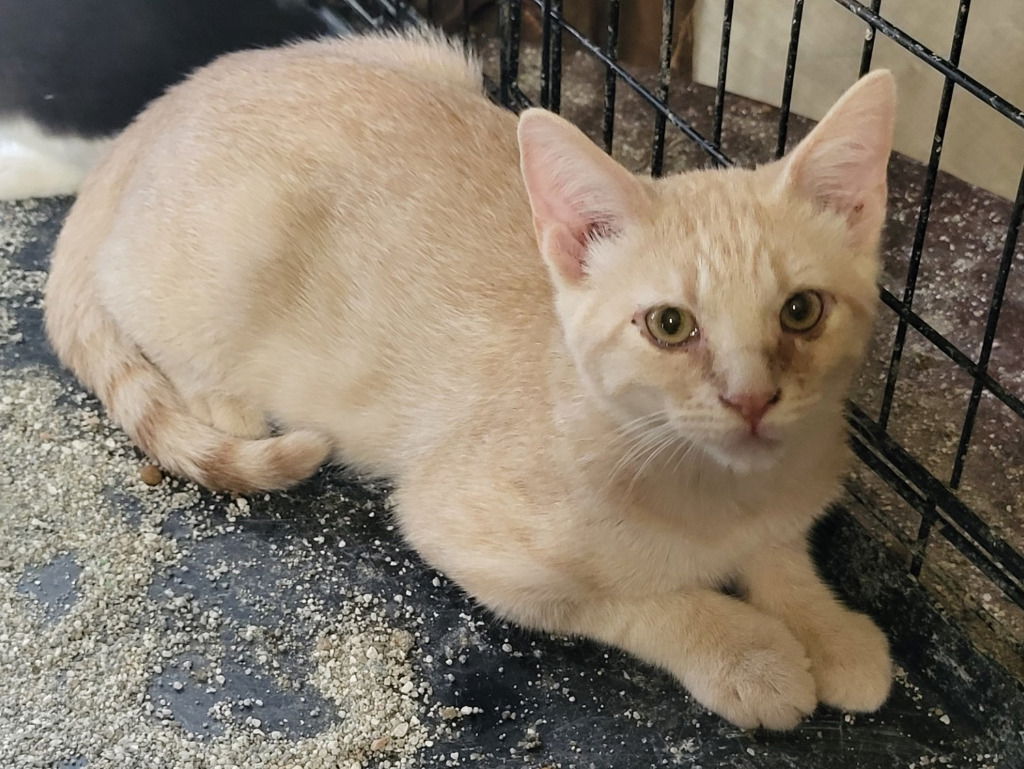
(379, 744)
(151, 475)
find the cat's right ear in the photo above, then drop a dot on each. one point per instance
(841, 165)
(576, 191)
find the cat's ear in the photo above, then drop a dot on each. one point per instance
(841, 165)
(576, 191)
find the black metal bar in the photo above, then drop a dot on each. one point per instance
(932, 59)
(509, 23)
(1002, 275)
(980, 544)
(545, 53)
(924, 214)
(555, 74)
(612, 52)
(402, 11)
(390, 12)
(354, 5)
(869, 502)
(723, 70)
(869, 43)
(963, 544)
(950, 508)
(787, 85)
(951, 351)
(924, 531)
(551, 55)
(644, 93)
(517, 100)
(668, 13)
(869, 455)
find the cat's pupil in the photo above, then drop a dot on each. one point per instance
(671, 321)
(799, 308)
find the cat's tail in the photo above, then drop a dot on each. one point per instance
(141, 399)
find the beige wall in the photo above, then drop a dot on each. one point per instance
(981, 146)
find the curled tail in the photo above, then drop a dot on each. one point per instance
(140, 398)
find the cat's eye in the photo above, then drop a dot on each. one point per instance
(802, 311)
(670, 326)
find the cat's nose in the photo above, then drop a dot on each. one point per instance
(752, 406)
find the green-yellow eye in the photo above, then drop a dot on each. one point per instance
(670, 326)
(801, 312)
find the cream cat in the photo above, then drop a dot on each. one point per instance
(335, 238)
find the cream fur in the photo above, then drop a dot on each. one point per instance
(336, 237)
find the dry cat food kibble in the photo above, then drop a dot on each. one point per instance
(150, 475)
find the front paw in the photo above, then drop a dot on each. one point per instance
(850, 662)
(762, 681)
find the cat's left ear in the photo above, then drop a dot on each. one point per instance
(576, 191)
(842, 163)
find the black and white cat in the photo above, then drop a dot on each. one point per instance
(75, 72)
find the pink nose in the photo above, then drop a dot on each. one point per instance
(751, 406)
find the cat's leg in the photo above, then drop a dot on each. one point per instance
(228, 414)
(735, 660)
(849, 653)
(208, 394)
(235, 417)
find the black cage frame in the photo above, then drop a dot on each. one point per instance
(942, 510)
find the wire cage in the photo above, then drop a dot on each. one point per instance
(938, 418)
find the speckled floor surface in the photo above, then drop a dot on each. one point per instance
(167, 627)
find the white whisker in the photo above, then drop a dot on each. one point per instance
(667, 441)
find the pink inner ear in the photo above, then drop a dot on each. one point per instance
(848, 179)
(576, 191)
(841, 165)
(572, 242)
(568, 249)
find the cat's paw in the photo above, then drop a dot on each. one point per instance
(851, 664)
(762, 682)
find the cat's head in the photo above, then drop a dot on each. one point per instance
(730, 307)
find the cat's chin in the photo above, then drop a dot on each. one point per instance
(748, 454)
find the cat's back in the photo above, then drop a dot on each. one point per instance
(378, 147)
(312, 105)
(325, 127)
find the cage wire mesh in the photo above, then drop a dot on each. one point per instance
(937, 420)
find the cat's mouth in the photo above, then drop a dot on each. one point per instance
(760, 441)
(746, 451)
